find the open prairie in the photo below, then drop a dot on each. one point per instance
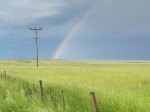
(119, 86)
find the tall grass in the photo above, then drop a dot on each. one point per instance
(18, 95)
(119, 86)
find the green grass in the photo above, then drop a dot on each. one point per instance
(119, 86)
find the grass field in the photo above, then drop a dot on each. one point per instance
(118, 86)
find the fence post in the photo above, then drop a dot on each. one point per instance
(63, 98)
(27, 85)
(41, 89)
(93, 100)
(4, 75)
(33, 88)
(50, 93)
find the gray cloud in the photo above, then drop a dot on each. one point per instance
(20, 12)
(26, 11)
(129, 18)
(94, 36)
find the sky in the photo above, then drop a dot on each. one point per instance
(76, 29)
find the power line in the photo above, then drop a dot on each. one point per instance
(36, 30)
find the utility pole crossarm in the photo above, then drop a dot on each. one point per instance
(35, 28)
(36, 42)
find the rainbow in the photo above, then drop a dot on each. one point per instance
(73, 30)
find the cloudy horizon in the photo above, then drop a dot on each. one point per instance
(97, 29)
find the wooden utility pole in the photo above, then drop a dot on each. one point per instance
(36, 42)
